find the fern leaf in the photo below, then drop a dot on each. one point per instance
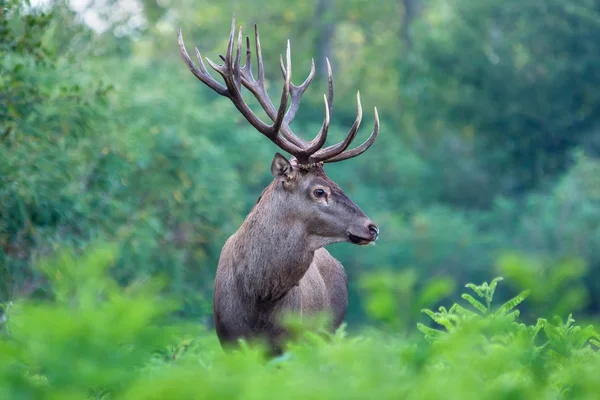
(512, 303)
(541, 322)
(584, 336)
(439, 318)
(556, 339)
(446, 323)
(543, 348)
(569, 321)
(430, 333)
(489, 293)
(453, 317)
(475, 303)
(476, 289)
(463, 312)
(512, 316)
(341, 333)
(494, 284)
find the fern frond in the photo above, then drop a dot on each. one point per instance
(340, 332)
(476, 289)
(475, 303)
(454, 318)
(512, 303)
(439, 318)
(569, 321)
(494, 284)
(541, 349)
(556, 340)
(491, 289)
(445, 322)
(541, 322)
(512, 316)
(430, 333)
(463, 312)
(584, 336)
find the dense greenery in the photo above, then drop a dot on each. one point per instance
(95, 340)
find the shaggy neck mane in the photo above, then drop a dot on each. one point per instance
(271, 261)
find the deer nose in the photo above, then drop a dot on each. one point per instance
(374, 231)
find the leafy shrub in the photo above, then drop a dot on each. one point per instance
(564, 223)
(94, 339)
(395, 298)
(544, 278)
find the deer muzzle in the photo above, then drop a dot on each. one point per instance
(368, 235)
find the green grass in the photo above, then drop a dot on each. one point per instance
(91, 339)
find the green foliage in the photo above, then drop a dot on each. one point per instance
(395, 298)
(499, 70)
(500, 326)
(98, 340)
(48, 118)
(75, 166)
(93, 335)
(545, 279)
(546, 350)
(563, 223)
(456, 316)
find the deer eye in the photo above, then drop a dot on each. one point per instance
(319, 193)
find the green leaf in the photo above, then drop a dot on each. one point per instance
(476, 304)
(512, 303)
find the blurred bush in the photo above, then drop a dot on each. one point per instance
(396, 298)
(94, 339)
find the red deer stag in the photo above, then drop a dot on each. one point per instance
(276, 261)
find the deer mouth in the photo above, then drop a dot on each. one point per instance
(359, 240)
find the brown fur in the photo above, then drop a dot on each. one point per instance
(276, 261)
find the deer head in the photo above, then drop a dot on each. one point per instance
(301, 189)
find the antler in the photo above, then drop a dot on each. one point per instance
(279, 131)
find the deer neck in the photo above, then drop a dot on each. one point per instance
(273, 250)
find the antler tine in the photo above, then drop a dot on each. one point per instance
(227, 67)
(258, 89)
(360, 149)
(259, 60)
(330, 84)
(297, 91)
(200, 73)
(286, 90)
(232, 75)
(236, 63)
(247, 68)
(229, 54)
(321, 137)
(336, 149)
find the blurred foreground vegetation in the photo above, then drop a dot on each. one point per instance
(96, 340)
(487, 165)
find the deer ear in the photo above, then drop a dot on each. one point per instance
(282, 169)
